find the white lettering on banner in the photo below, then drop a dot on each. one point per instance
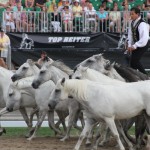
(69, 39)
(54, 39)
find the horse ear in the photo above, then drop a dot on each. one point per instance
(63, 81)
(84, 69)
(30, 61)
(48, 64)
(109, 66)
(99, 56)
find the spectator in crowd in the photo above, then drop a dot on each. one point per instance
(20, 18)
(13, 5)
(29, 5)
(102, 18)
(31, 21)
(90, 18)
(56, 19)
(104, 3)
(126, 17)
(44, 58)
(67, 18)
(4, 47)
(115, 19)
(9, 20)
(146, 7)
(19, 5)
(85, 6)
(39, 4)
(138, 36)
(77, 14)
(50, 5)
(60, 3)
(43, 19)
(64, 3)
(5, 3)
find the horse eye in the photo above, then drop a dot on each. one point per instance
(89, 61)
(10, 94)
(24, 68)
(42, 72)
(57, 90)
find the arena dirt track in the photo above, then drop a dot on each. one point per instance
(43, 143)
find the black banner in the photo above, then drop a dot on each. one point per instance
(65, 40)
(72, 48)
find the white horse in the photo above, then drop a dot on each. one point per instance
(28, 69)
(21, 94)
(122, 73)
(5, 78)
(106, 102)
(50, 72)
(99, 63)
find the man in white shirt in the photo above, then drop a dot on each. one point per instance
(138, 36)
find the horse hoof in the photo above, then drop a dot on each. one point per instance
(29, 139)
(27, 135)
(64, 139)
(2, 130)
(88, 143)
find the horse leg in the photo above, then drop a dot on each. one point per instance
(62, 116)
(120, 130)
(88, 125)
(101, 129)
(25, 116)
(34, 111)
(127, 124)
(51, 122)
(38, 124)
(111, 124)
(2, 130)
(73, 112)
(140, 126)
(90, 135)
(81, 117)
(106, 134)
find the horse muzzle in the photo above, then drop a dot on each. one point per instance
(9, 109)
(35, 85)
(52, 105)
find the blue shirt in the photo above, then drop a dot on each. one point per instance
(102, 15)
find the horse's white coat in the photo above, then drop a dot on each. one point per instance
(107, 102)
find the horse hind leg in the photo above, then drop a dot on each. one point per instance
(140, 126)
(88, 125)
(111, 124)
(72, 119)
(122, 134)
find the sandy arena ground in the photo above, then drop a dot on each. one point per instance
(43, 143)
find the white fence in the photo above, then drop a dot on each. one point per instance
(35, 21)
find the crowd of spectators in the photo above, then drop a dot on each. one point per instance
(68, 16)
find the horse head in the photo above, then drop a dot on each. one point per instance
(27, 69)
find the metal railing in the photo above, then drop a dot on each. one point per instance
(35, 21)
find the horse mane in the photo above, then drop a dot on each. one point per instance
(129, 74)
(78, 87)
(61, 65)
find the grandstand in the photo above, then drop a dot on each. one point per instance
(82, 24)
